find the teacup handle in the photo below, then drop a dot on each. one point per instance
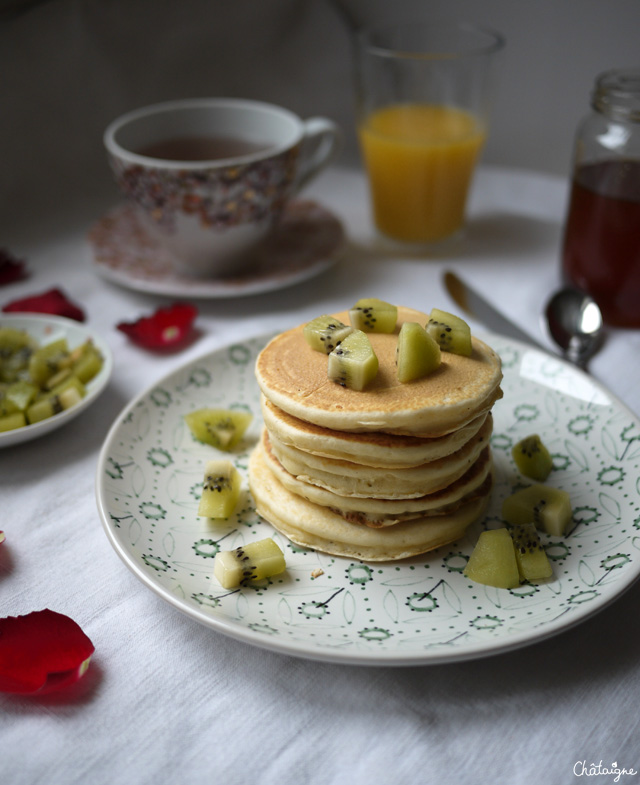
(320, 143)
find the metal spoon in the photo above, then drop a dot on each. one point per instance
(574, 322)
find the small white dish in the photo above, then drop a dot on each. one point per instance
(308, 240)
(46, 329)
(416, 612)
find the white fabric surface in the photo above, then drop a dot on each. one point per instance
(167, 700)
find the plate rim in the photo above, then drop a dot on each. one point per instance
(94, 388)
(301, 649)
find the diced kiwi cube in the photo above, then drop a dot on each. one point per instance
(70, 382)
(251, 562)
(220, 490)
(325, 332)
(47, 360)
(7, 406)
(57, 378)
(372, 315)
(80, 351)
(533, 563)
(353, 363)
(221, 428)
(451, 332)
(21, 394)
(417, 354)
(44, 408)
(10, 422)
(12, 339)
(14, 365)
(532, 458)
(546, 507)
(69, 397)
(493, 560)
(88, 364)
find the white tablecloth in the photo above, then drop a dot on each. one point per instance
(167, 700)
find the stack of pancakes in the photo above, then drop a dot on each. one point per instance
(385, 473)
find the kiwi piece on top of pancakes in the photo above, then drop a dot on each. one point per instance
(417, 354)
(372, 315)
(450, 331)
(353, 363)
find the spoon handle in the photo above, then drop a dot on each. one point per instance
(579, 352)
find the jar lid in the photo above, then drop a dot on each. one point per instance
(617, 94)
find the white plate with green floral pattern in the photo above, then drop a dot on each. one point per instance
(419, 611)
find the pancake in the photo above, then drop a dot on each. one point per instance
(346, 478)
(372, 448)
(294, 378)
(388, 512)
(312, 526)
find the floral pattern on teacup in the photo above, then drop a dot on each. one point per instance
(220, 197)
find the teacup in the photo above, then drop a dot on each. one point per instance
(211, 176)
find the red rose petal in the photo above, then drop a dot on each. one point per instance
(41, 652)
(53, 301)
(166, 328)
(11, 269)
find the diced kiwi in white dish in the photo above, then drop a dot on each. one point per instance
(86, 363)
(54, 403)
(325, 332)
(220, 490)
(9, 422)
(48, 360)
(546, 507)
(16, 347)
(12, 339)
(16, 396)
(417, 354)
(353, 363)
(372, 315)
(39, 381)
(451, 332)
(251, 562)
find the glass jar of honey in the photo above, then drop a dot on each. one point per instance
(601, 246)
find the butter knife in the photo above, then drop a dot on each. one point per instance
(476, 306)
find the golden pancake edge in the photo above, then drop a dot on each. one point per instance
(312, 526)
(385, 473)
(293, 377)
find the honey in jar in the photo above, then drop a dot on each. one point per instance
(601, 247)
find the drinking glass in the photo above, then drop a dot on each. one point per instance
(423, 98)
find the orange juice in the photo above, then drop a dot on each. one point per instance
(420, 160)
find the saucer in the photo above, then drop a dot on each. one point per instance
(307, 240)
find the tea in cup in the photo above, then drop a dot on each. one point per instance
(423, 94)
(211, 176)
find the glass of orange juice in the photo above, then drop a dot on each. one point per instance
(423, 97)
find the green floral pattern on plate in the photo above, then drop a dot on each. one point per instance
(414, 612)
